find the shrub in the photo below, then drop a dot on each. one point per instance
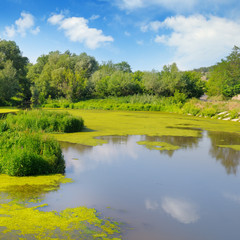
(190, 108)
(233, 114)
(48, 121)
(209, 112)
(28, 153)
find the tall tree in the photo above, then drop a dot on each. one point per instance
(225, 76)
(9, 51)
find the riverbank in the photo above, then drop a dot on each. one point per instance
(226, 110)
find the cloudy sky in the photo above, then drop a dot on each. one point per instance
(146, 33)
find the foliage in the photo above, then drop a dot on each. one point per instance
(192, 85)
(224, 78)
(61, 75)
(123, 67)
(13, 70)
(9, 84)
(28, 153)
(48, 121)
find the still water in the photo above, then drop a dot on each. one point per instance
(189, 193)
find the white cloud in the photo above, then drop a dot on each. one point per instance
(94, 17)
(199, 41)
(175, 5)
(24, 24)
(181, 210)
(10, 31)
(35, 31)
(153, 26)
(128, 34)
(56, 19)
(130, 4)
(77, 30)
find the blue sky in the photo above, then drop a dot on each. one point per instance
(146, 33)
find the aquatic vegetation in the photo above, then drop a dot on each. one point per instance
(110, 123)
(72, 223)
(29, 188)
(158, 145)
(235, 147)
(7, 110)
(47, 121)
(28, 153)
(27, 221)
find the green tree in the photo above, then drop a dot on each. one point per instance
(9, 51)
(151, 82)
(170, 80)
(192, 85)
(61, 75)
(122, 84)
(123, 67)
(224, 78)
(8, 82)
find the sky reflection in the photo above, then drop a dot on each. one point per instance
(181, 210)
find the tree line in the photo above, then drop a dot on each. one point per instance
(77, 77)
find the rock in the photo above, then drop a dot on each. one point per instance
(237, 97)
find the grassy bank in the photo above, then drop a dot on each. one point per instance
(177, 104)
(47, 121)
(26, 150)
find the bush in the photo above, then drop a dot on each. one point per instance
(209, 112)
(233, 114)
(191, 109)
(48, 121)
(28, 153)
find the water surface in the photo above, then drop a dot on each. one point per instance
(189, 193)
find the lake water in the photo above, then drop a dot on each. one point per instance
(190, 193)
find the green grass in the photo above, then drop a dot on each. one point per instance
(28, 153)
(175, 104)
(25, 150)
(47, 121)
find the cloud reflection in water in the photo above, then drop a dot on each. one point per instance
(181, 210)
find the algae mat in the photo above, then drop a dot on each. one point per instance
(107, 123)
(7, 110)
(21, 216)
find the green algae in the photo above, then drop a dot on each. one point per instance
(110, 123)
(7, 110)
(235, 147)
(71, 223)
(162, 146)
(23, 221)
(26, 188)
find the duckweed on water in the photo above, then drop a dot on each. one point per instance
(235, 147)
(26, 188)
(7, 110)
(71, 223)
(27, 222)
(110, 123)
(158, 145)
